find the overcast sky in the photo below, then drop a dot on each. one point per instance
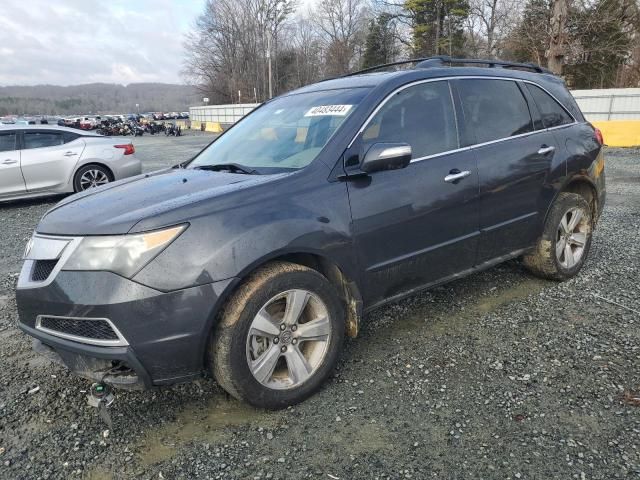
(67, 42)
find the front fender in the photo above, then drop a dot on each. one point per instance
(231, 243)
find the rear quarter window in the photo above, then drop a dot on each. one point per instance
(70, 137)
(552, 113)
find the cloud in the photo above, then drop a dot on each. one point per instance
(68, 42)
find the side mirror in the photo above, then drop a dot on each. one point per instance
(386, 156)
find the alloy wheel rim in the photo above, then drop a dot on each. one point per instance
(288, 339)
(571, 237)
(93, 178)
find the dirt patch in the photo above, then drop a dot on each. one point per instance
(210, 423)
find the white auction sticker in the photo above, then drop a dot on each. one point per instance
(334, 110)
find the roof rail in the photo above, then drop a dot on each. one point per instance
(483, 61)
(443, 60)
(385, 65)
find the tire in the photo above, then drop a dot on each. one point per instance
(86, 173)
(237, 351)
(560, 252)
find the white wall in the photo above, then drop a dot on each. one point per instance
(601, 104)
(609, 103)
(225, 114)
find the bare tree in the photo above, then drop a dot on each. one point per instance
(342, 24)
(489, 21)
(591, 42)
(227, 51)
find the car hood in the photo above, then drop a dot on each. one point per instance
(117, 207)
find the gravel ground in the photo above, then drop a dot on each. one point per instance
(499, 375)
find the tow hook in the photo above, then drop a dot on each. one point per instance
(101, 397)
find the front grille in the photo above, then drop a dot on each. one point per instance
(95, 329)
(42, 269)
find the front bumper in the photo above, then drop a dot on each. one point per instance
(166, 332)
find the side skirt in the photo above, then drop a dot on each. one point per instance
(478, 268)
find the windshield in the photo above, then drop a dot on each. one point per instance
(285, 134)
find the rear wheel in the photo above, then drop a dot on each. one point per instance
(564, 245)
(279, 336)
(91, 176)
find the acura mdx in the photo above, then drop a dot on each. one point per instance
(253, 260)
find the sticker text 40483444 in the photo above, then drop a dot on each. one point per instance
(323, 110)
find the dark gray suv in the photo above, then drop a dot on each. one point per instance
(253, 260)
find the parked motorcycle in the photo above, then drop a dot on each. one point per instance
(173, 129)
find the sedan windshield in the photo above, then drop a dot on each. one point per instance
(285, 134)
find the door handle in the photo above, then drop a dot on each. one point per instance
(544, 149)
(70, 154)
(9, 161)
(455, 175)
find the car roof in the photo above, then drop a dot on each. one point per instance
(47, 127)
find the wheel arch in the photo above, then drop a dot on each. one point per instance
(338, 276)
(90, 163)
(583, 186)
(586, 188)
(346, 287)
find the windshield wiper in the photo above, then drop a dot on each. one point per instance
(231, 167)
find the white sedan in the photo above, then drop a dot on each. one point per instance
(39, 160)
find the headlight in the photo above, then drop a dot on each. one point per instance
(122, 254)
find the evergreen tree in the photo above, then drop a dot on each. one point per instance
(438, 26)
(380, 44)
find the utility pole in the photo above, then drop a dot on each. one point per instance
(269, 65)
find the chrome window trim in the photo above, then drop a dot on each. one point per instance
(475, 145)
(121, 342)
(24, 280)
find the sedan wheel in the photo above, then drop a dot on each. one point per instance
(93, 178)
(288, 339)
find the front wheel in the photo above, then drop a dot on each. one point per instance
(564, 245)
(279, 336)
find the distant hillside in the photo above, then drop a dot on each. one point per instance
(95, 98)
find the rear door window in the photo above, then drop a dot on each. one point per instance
(421, 115)
(42, 139)
(494, 109)
(553, 114)
(7, 142)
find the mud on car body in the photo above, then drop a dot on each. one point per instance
(254, 260)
